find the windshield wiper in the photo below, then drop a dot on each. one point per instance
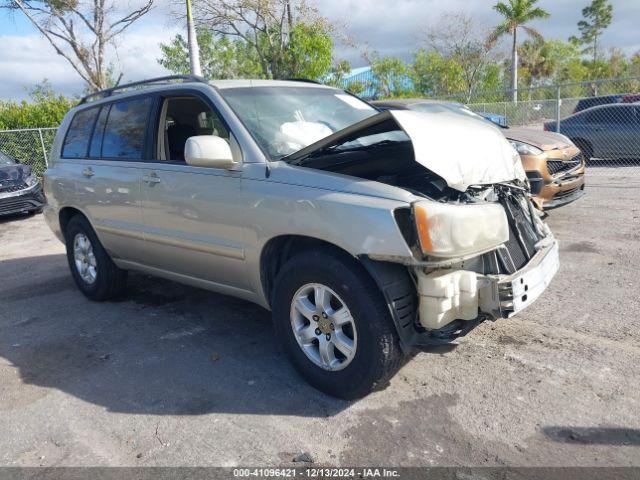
(381, 143)
(342, 149)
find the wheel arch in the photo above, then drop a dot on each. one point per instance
(392, 279)
(278, 250)
(66, 214)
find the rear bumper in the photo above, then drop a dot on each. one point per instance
(23, 201)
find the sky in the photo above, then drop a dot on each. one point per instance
(390, 27)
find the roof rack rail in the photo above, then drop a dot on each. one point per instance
(152, 81)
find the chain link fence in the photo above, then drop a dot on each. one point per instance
(30, 146)
(601, 117)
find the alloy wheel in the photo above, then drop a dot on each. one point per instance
(323, 326)
(85, 259)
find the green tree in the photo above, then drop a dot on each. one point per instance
(536, 64)
(390, 77)
(288, 37)
(306, 55)
(434, 75)
(458, 38)
(337, 77)
(516, 13)
(220, 58)
(566, 62)
(309, 52)
(597, 18)
(43, 109)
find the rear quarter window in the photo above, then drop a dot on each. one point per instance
(126, 128)
(76, 143)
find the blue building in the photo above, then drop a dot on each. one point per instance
(365, 76)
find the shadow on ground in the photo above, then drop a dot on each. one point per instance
(15, 217)
(593, 436)
(164, 349)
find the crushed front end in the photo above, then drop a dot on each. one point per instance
(456, 294)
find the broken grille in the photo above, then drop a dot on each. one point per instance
(12, 188)
(523, 235)
(558, 166)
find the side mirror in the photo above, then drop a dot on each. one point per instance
(208, 151)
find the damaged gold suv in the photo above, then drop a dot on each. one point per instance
(365, 233)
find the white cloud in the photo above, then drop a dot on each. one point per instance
(388, 26)
(391, 27)
(27, 60)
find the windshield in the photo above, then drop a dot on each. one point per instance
(5, 160)
(284, 120)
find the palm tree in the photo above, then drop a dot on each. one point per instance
(516, 13)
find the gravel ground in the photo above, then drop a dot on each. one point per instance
(173, 375)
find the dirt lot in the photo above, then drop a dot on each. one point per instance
(177, 376)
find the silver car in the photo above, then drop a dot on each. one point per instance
(366, 233)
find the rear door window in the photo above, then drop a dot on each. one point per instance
(76, 143)
(621, 115)
(126, 129)
(598, 115)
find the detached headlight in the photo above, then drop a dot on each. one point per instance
(31, 180)
(524, 148)
(446, 230)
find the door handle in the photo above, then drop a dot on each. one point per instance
(151, 179)
(88, 172)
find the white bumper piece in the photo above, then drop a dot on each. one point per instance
(451, 295)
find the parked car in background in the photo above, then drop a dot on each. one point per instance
(608, 132)
(20, 190)
(631, 98)
(554, 165)
(589, 102)
(365, 236)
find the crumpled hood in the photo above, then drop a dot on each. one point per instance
(538, 138)
(462, 151)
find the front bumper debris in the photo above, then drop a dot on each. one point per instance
(504, 296)
(448, 300)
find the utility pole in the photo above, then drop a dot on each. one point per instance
(194, 51)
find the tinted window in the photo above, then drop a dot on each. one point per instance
(611, 116)
(597, 116)
(98, 132)
(126, 127)
(621, 116)
(76, 143)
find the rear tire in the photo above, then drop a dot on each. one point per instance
(95, 274)
(366, 353)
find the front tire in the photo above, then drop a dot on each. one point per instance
(333, 323)
(95, 274)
